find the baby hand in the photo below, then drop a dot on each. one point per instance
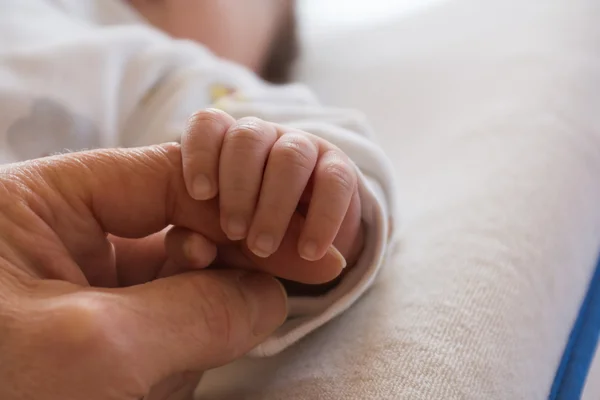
(266, 175)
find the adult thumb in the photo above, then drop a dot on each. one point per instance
(197, 321)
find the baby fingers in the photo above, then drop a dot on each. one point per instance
(200, 149)
(245, 151)
(335, 183)
(288, 170)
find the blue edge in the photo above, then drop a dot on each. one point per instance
(572, 372)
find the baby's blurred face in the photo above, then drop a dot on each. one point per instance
(257, 33)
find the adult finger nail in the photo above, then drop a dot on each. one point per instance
(268, 299)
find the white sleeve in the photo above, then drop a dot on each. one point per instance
(135, 86)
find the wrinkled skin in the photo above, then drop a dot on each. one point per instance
(81, 313)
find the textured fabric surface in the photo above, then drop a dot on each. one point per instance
(490, 112)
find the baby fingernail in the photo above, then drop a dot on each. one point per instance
(309, 251)
(263, 245)
(201, 188)
(236, 228)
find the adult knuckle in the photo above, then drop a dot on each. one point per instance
(79, 329)
(79, 326)
(83, 321)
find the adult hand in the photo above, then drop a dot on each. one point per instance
(81, 320)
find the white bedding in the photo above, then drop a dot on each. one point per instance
(491, 113)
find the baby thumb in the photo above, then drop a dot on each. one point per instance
(199, 320)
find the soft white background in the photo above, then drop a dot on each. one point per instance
(332, 16)
(488, 109)
(327, 20)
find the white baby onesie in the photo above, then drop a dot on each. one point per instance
(80, 74)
